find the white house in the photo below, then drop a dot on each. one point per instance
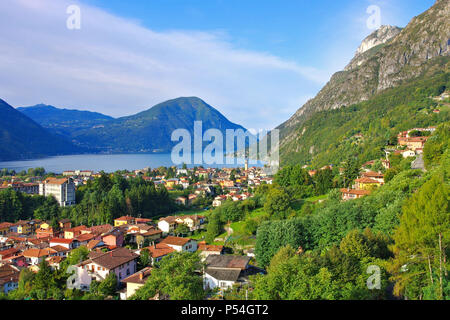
(121, 262)
(181, 244)
(408, 153)
(167, 224)
(66, 243)
(36, 256)
(224, 271)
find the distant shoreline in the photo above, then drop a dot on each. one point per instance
(108, 162)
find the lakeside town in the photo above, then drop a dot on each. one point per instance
(117, 248)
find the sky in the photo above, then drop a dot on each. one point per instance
(257, 62)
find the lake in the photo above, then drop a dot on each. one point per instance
(105, 162)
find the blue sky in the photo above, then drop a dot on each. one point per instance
(255, 61)
(300, 30)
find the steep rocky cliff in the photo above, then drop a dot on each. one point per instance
(386, 59)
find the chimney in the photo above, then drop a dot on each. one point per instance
(141, 276)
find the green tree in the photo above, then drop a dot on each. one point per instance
(108, 286)
(176, 276)
(421, 241)
(278, 203)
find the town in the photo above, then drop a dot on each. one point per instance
(117, 248)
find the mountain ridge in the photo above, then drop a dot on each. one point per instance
(146, 131)
(23, 138)
(63, 121)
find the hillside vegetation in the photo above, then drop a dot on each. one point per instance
(365, 129)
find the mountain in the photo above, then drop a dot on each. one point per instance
(390, 57)
(64, 121)
(151, 130)
(410, 53)
(22, 138)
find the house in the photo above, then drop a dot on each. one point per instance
(94, 244)
(223, 271)
(74, 232)
(121, 262)
(114, 238)
(182, 201)
(158, 251)
(181, 244)
(60, 251)
(123, 221)
(170, 183)
(184, 183)
(365, 183)
(67, 243)
(219, 200)
(83, 239)
(143, 221)
(227, 183)
(21, 227)
(4, 228)
(98, 230)
(192, 222)
(191, 199)
(4, 254)
(9, 278)
(65, 224)
(150, 235)
(350, 194)
(408, 153)
(62, 189)
(46, 233)
(413, 143)
(167, 224)
(29, 188)
(373, 175)
(207, 250)
(55, 262)
(36, 256)
(135, 282)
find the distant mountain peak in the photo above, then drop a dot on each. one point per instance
(379, 36)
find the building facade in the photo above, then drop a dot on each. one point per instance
(62, 189)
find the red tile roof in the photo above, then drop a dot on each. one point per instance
(175, 241)
(139, 277)
(159, 250)
(60, 240)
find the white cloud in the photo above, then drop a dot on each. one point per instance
(116, 66)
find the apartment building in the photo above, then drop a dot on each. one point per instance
(62, 189)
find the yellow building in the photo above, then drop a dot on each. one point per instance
(23, 227)
(74, 232)
(367, 184)
(123, 220)
(170, 183)
(45, 226)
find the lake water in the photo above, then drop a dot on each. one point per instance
(105, 162)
